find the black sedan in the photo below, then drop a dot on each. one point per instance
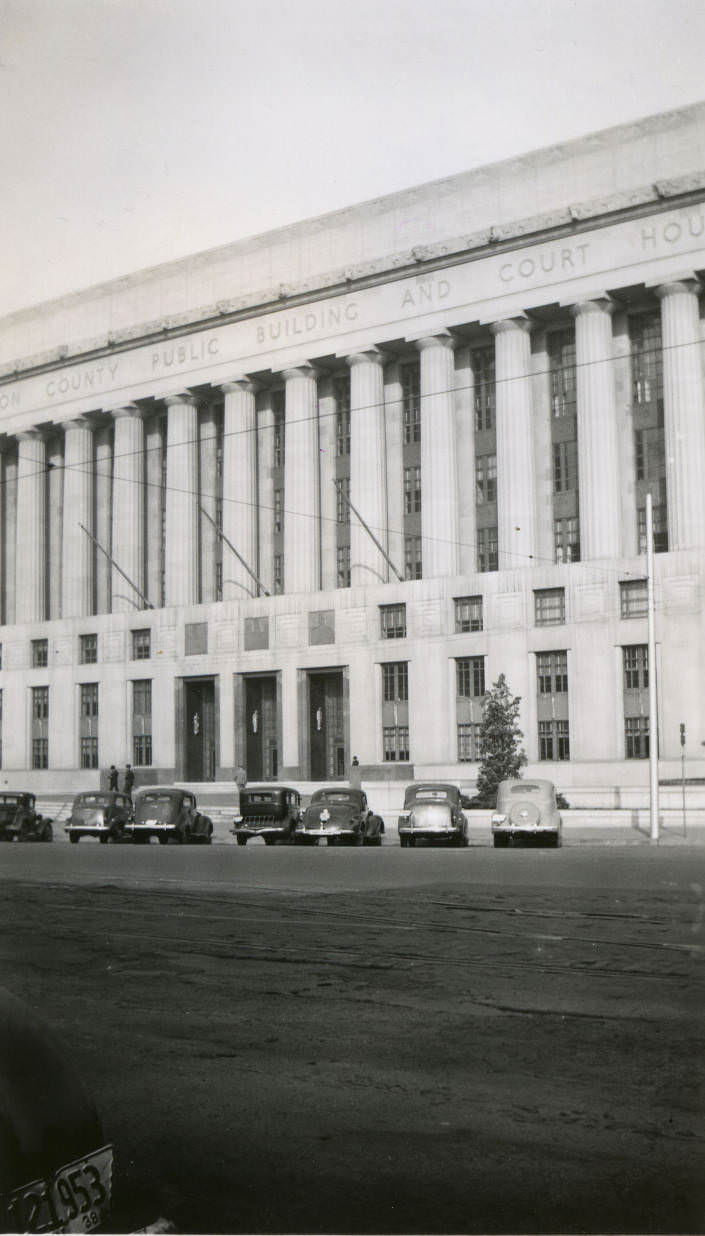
(170, 814)
(337, 815)
(20, 820)
(99, 813)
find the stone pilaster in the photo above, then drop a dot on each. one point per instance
(684, 414)
(55, 499)
(103, 515)
(30, 568)
(327, 443)
(182, 513)
(239, 489)
(368, 468)
(301, 482)
(128, 509)
(9, 511)
(598, 455)
(77, 547)
(439, 478)
(208, 493)
(153, 459)
(516, 535)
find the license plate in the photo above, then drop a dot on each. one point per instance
(74, 1199)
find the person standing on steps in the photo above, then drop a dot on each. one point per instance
(113, 778)
(128, 781)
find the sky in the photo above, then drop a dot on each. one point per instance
(134, 132)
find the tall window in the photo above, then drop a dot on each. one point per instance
(278, 496)
(565, 466)
(635, 661)
(470, 675)
(89, 699)
(392, 621)
(40, 703)
(341, 390)
(636, 738)
(412, 489)
(343, 566)
(88, 651)
(342, 507)
(659, 520)
(647, 420)
(412, 557)
(411, 402)
(552, 672)
(88, 724)
(552, 705)
(278, 576)
(0, 728)
(554, 740)
(636, 667)
(395, 710)
(486, 478)
(278, 417)
(142, 722)
(395, 681)
(487, 552)
(40, 727)
(566, 539)
(483, 363)
(396, 742)
(468, 614)
(141, 644)
(561, 367)
(40, 653)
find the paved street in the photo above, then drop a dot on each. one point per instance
(286, 1040)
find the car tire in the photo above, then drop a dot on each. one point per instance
(241, 840)
(499, 842)
(163, 839)
(74, 838)
(103, 838)
(48, 834)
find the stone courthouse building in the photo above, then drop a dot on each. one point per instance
(306, 496)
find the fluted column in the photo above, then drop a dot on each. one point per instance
(439, 482)
(182, 500)
(103, 515)
(30, 592)
(684, 414)
(368, 468)
(301, 482)
(598, 471)
(239, 488)
(77, 547)
(154, 433)
(55, 508)
(208, 497)
(128, 509)
(515, 463)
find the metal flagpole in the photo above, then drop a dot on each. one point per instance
(368, 530)
(653, 716)
(147, 604)
(231, 547)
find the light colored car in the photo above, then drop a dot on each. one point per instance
(99, 813)
(433, 811)
(526, 809)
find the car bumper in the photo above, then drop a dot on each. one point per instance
(265, 830)
(151, 830)
(338, 834)
(431, 832)
(88, 830)
(524, 830)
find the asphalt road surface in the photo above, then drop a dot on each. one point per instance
(297, 1040)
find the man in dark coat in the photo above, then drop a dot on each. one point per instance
(128, 781)
(113, 778)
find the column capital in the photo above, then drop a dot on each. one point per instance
(304, 370)
(595, 304)
(368, 356)
(677, 285)
(175, 398)
(504, 326)
(439, 339)
(235, 385)
(127, 409)
(31, 435)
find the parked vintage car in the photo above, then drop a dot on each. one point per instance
(20, 820)
(55, 1165)
(170, 814)
(526, 810)
(99, 813)
(338, 815)
(268, 811)
(433, 811)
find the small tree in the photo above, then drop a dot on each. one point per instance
(500, 738)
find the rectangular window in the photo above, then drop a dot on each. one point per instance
(561, 367)
(40, 753)
(549, 606)
(396, 743)
(278, 506)
(412, 489)
(142, 697)
(89, 752)
(342, 503)
(486, 478)
(468, 614)
(565, 466)
(343, 566)
(636, 667)
(141, 644)
(89, 699)
(554, 740)
(470, 674)
(142, 750)
(412, 557)
(633, 598)
(469, 742)
(278, 580)
(195, 638)
(88, 651)
(411, 402)
(40, 703)
(342, 417)
(392, 621)
(278, 411)
(552, 672)
(660, 523)
(142, 722)
(487, 552)
(566, 539)
(483, 362)
(40, 653)
(636, 738)
(395, 681)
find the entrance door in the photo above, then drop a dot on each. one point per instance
(199, 720)
(261, 746)
(327, 726)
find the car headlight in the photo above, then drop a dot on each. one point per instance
(499, 819)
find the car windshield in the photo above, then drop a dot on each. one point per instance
(93, 800)
(526, 788)
(10, 800)
(336, 796)
(263, 797)
(156, 806)
(432, 796)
